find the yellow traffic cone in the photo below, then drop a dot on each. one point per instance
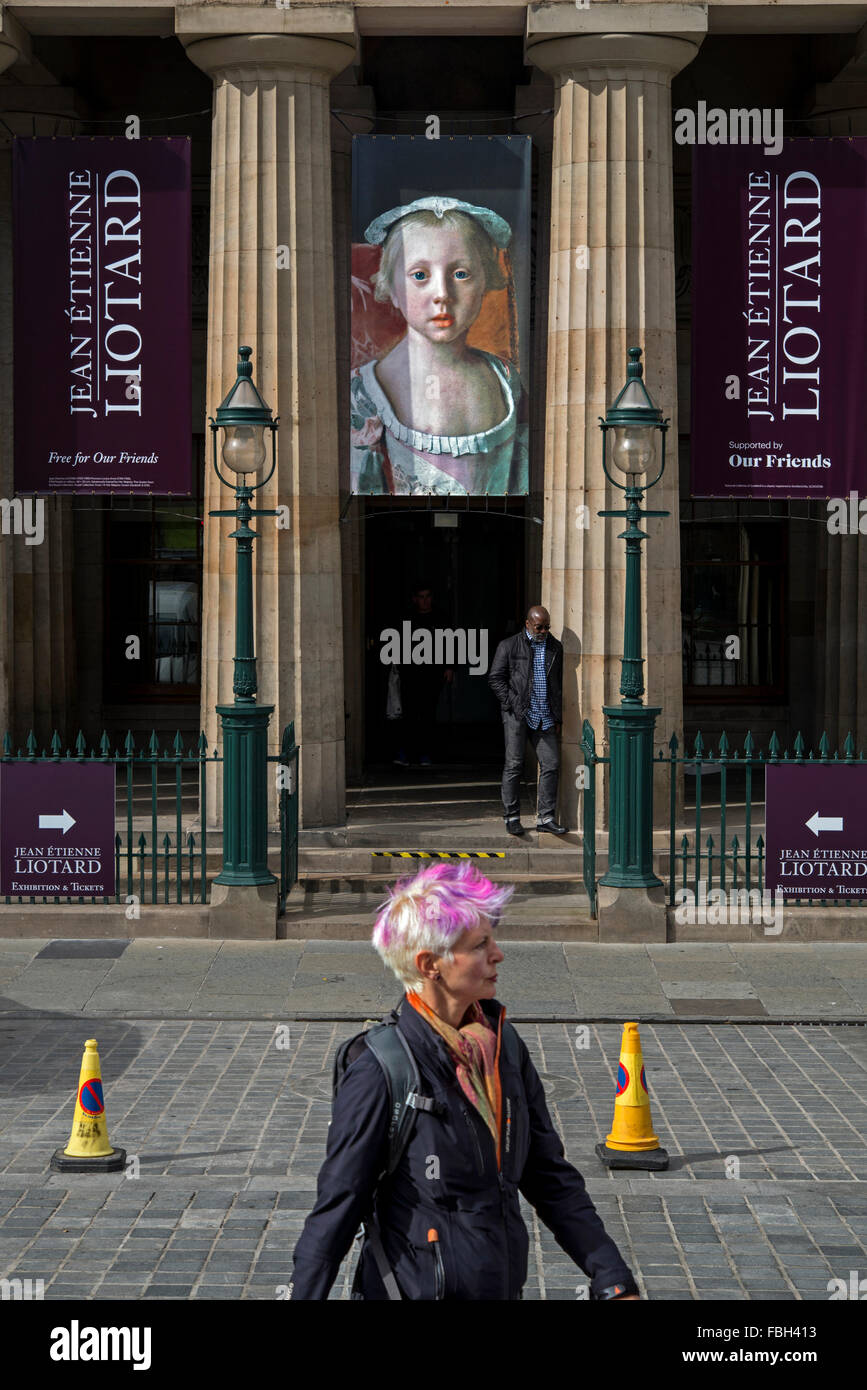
(89, 1150)
(632, 1142)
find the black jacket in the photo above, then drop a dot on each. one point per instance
(511, 675)
(448, 1180)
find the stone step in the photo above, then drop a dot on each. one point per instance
(373, 885)
(542, 859)
(350, 916)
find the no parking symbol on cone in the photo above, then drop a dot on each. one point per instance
(89, 1149)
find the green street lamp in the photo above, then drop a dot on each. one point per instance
(637, 443)
(244, 418)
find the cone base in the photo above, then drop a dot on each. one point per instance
(105, 1163)
(653, 1160)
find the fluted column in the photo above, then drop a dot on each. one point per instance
(612, 286)
(271, 188)
(37, 675)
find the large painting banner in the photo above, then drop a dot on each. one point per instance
(440, 315)
(102, 380)
(779, 316)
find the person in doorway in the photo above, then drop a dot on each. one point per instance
(450, 1230)
(526, 676)
(420, 685)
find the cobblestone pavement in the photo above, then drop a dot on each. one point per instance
(766, 1196)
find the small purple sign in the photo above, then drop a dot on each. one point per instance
(779, 307)
(57, 829)
(816, 837)
(102, 277)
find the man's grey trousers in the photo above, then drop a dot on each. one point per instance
(544, 742)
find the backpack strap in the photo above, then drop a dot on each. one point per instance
(394, 1055)
(399, 1066)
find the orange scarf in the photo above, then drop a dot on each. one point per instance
(475, 1050)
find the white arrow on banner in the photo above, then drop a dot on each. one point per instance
(817, 823)
(64, 822)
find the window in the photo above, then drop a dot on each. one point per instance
(153, 573)
(733, 603)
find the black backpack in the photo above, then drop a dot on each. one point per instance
(395, 1057)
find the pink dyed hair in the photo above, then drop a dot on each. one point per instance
(429, 911)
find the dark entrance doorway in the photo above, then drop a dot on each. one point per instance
(474, 561)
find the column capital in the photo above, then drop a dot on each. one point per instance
(591, 57)
(255, 57)
(14, 40)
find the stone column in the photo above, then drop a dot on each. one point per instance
(612, 286)
(271, 189)
(356, 109)
(37, 670)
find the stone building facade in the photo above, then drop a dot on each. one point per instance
(271, 95)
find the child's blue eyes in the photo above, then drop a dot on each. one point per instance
(419, 275)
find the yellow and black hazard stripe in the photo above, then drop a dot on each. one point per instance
(438, 854)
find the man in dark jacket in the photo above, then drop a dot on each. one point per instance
(473, 1208)
(526, 676)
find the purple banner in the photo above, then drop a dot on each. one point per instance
(102, 251)
(816, 836)
(57, 829)
(779, 310)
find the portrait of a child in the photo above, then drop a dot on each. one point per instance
(433, 414)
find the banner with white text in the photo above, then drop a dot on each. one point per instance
(102, 360)
(779, 313)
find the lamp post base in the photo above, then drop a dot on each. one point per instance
(245, 795)
(630, 823)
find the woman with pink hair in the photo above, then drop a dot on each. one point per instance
(445, 1222)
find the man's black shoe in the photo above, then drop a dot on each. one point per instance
(552, 827)
(514, 827)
